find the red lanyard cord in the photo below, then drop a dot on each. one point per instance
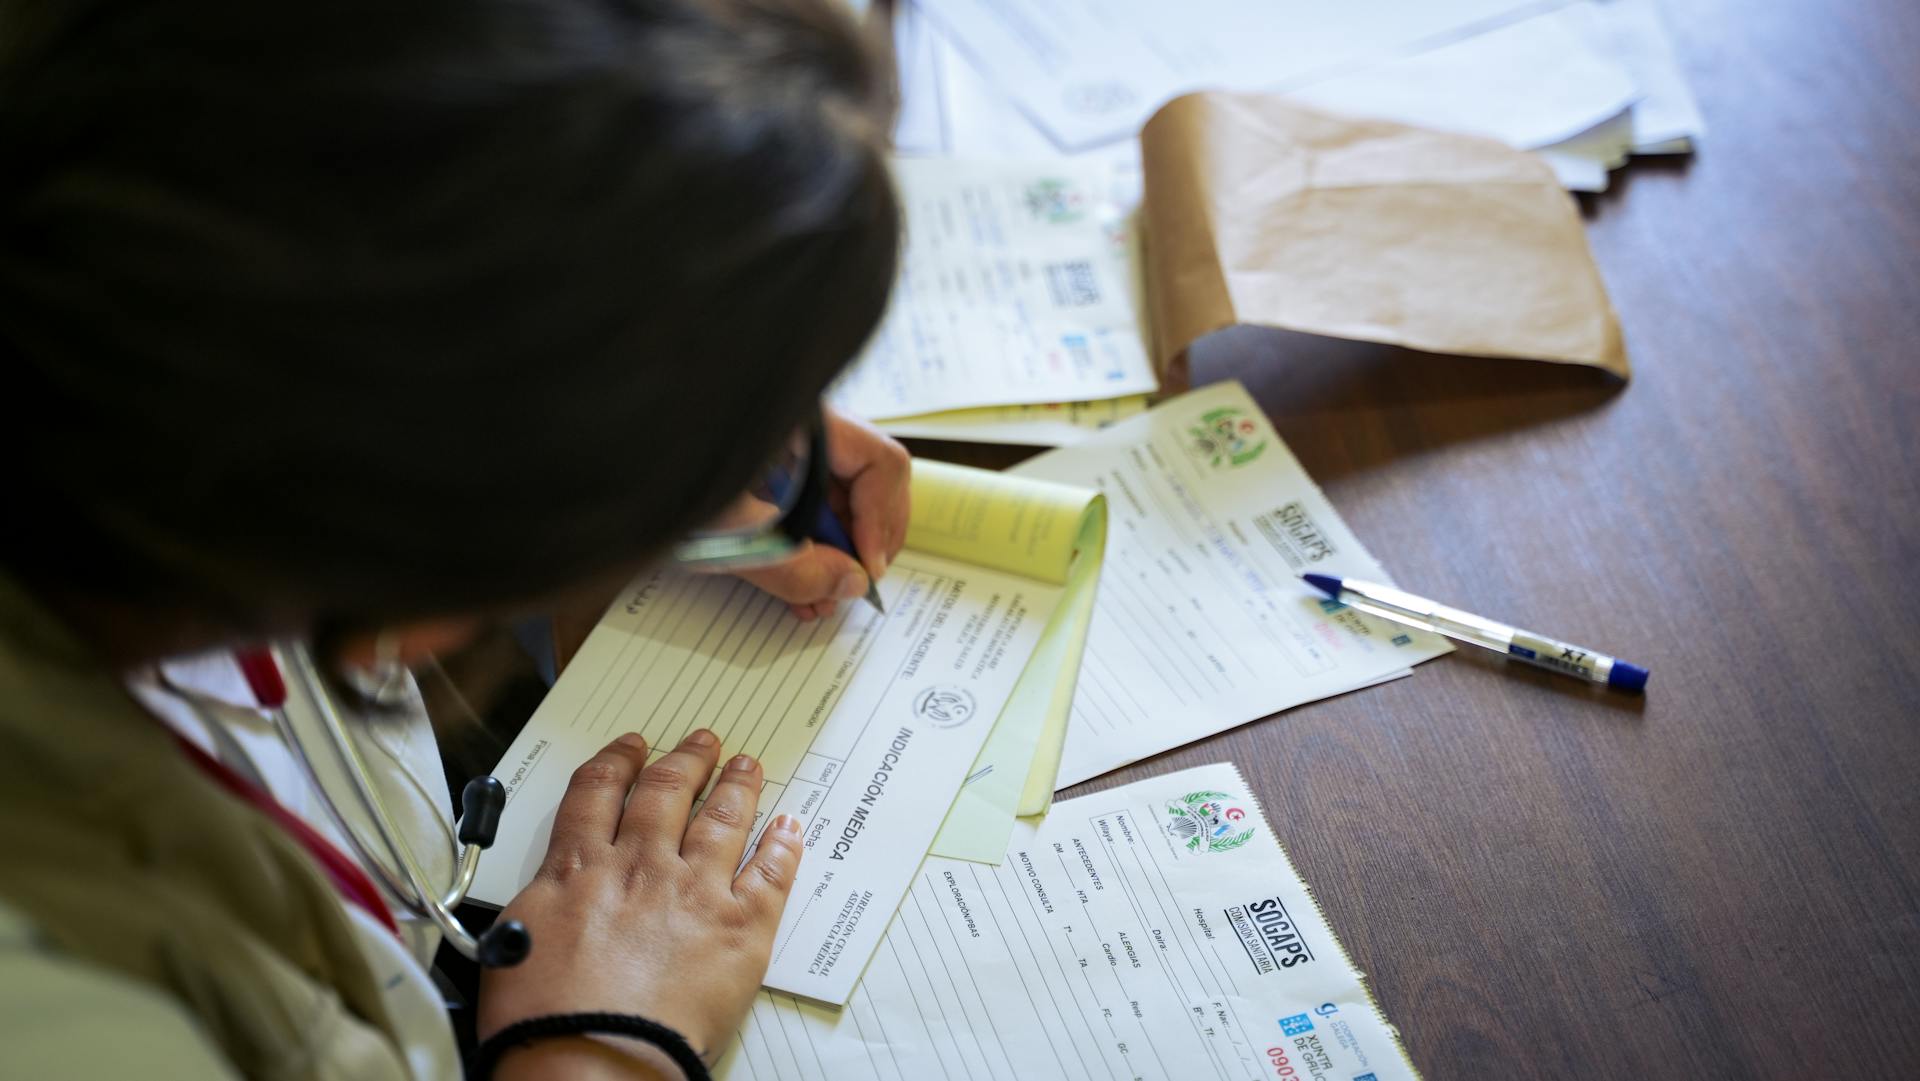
(352, 883)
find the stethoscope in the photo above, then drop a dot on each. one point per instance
(275, 671)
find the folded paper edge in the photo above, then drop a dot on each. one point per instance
(1188, 290)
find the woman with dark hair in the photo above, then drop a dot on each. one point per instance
(355, 326)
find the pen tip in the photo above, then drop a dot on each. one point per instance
(1325, 583)
(873, 597)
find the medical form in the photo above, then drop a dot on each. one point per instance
(866, 724)
(1202, 622)
(1155, 931)
(1017, 286)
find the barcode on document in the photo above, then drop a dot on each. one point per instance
(1072, 284)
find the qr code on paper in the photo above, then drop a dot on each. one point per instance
(1072, 285)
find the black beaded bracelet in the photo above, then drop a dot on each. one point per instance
(520, 1033)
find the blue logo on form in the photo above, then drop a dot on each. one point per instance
(1296, 1025)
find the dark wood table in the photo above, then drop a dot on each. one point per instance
(1722, 878)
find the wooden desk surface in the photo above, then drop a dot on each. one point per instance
(1721, 879)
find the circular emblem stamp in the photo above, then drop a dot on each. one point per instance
(1208, 822)
(1224, 439)
(944, 707)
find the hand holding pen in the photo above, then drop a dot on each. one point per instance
(847, 561)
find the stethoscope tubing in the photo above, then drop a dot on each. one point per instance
(400, 874)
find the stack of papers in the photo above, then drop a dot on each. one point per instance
(1017, 315)
(1585, 82)
(1022, 171)
(867, 724)
(1100, 604)
(1017, 286)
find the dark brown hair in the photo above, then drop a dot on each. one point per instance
(351, 311)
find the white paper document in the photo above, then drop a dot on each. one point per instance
(863, 723)
(1666, 119)
(1016, 287)
(1540, 78)
(1089, 73)
(1529, 83)
(1583, 162)
(1202, 623)
(981, 121)
(1057, 425)
(918, 57)
(1155, 932)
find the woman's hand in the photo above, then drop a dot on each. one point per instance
(637, 910)
(870, 470)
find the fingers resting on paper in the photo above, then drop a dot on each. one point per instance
(638, 888)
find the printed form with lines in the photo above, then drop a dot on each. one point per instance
(1202, 622)
(865, 724)
(1154, 931)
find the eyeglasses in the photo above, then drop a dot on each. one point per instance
(774, 519)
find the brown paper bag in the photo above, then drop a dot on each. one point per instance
(1260, 211)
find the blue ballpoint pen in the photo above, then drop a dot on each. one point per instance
(1550, 653)
(828, 531)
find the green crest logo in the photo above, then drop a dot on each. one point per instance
(1225, 438)
(1207, 822)
(1055, 202)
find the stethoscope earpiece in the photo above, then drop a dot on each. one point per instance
(480, 805)
(505, 944)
